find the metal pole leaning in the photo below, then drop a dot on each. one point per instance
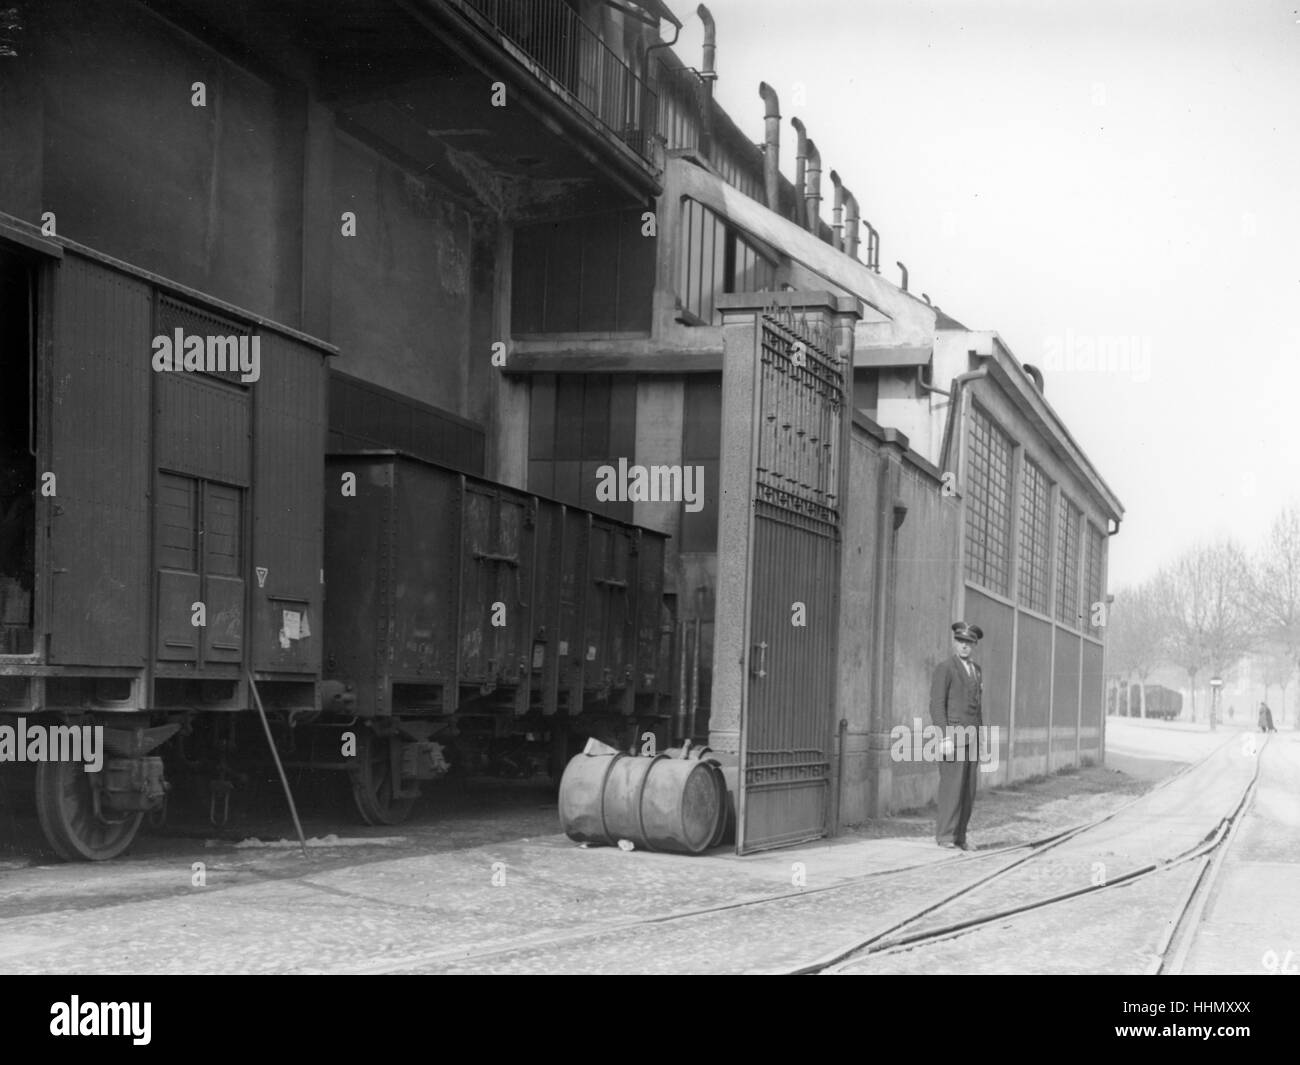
(270, 742)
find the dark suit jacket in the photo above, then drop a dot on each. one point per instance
(954, 697)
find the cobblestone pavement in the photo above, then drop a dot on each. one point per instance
(405, 901)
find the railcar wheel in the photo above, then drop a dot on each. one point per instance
(373, 784)
(65, 807)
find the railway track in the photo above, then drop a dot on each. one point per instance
(1171, 949)
(890, 937)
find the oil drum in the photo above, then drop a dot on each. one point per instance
(659, 803)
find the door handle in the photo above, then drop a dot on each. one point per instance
(761, 663)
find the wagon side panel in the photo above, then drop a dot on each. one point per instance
(288, 505)
(98, 405)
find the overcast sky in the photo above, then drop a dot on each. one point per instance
(1113, 174)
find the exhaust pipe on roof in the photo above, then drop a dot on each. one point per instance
(771, 145)
(707, 71)
(873, 247)
(850, 224)
(837, 213)
(813, 193)
(800, 159)
(708, 75)
(1037, 375)
(904, 271)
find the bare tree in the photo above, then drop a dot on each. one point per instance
(1136, 637)
(1205, 602)
(1275, 587)
(1277, 666)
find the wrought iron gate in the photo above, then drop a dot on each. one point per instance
(797, 422)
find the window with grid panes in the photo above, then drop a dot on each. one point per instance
(988, 505)
(1095, 547)
(1034, 589)
(578, 423)
(715, 259)
(1067, 564)
(702, 446)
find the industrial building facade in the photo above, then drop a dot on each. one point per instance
(520, 224)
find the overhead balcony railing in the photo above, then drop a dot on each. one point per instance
(548, 37)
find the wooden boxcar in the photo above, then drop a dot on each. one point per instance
(160, 526)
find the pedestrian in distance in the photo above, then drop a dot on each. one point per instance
(955, 694)
(1266, 719)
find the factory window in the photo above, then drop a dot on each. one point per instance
(715, 259)
(702, 446)
(1035, 538)
(988, 505)
(582, 275)
(1094, 568)
(579, 423)
(1067, 564)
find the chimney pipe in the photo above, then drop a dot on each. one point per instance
(851, 219)
(800, 158)
(873, 246)
(904, 269)
(837, 213)
(1035, 373)
(813, 192)
(771, 145)
(707, 72)
(707, 77)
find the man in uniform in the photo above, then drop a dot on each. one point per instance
(955, 704)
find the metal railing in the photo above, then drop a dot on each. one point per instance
(571, 54)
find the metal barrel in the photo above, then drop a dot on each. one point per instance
(659, 804)
(582, 797)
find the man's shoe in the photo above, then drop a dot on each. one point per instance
(947, 845)
(964, 846)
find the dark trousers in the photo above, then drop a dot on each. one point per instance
(957, 781)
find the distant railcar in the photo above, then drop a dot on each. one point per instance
(1161, 703)
(1164, 703)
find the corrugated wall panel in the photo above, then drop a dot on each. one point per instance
(288, 438)
(1033, 692)
(1065, 698)
(993, 655)
(97, 399)
(1094, 707)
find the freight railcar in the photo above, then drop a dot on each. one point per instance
(1161, 702)
(469, 617)
(164, 566)
(158, 522)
